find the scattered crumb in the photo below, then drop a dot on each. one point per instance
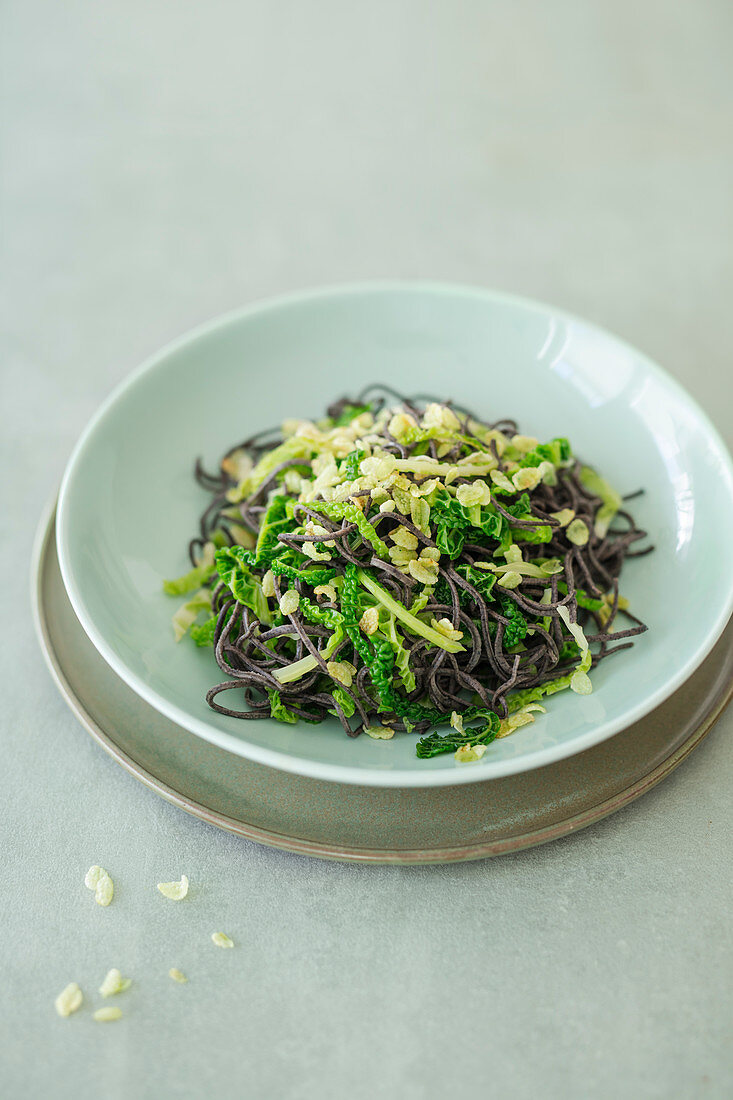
(221, 939)
(174, 890)
(69, 1000)
(177, 975)
(105, 1015)
(114, 983)
(98, 880)
(93, 876)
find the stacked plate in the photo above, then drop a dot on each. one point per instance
(128, 506)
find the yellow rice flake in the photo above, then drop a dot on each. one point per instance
(580, 683)
(93, 876)
(502, 481)
(446, 628)
(369, 622)
(220, 939)
(430, 553)
(425, 571)
(316, 555)
(107, 1014)
(343, 671)
(398, 555)
(524, 443)
(456, 721)
(289, 602)
(404, 538)
(176, 891)
(577, 532)
(114, 983)
(477, 492)
(379, 733)
(469, 754)
(99, 881)
(69, 1000)
(177, 975)
(528, 477)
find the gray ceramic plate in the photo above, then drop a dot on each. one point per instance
(365, 824)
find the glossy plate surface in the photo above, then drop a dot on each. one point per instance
(128, 503)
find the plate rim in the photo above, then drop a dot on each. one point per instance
(337, 772)
(322, 850)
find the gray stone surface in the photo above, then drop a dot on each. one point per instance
(165, 162)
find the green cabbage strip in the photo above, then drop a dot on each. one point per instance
(376, 653)
(598, 485)
(276, 519)
(323, 616)
(382, 595)
(349, 468)
(195, 577)
(288, 674)
(517, 699)
(343, 509)
(310, 576)
(187, 613)
(521, 510)
(278, 710)
(345, 701)
(436, 743)
(203, 633)
(590, 603)
(274, 522)
(401, 655)
(455, 524)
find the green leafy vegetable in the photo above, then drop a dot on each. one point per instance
(349, 413)
(401, 655)
(187, 613)
(612, 501)
(233, 568)
(338, 509)
(471, 493)
(278, 709)
(203, 633)
(516, 631)
(312, 577)
(400, 612)
(345, 701)
(350, 465)
(195, 577)
(274, 523)
(435, 743)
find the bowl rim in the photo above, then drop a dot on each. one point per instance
(337, 772)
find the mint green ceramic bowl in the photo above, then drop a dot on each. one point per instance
(129, 504)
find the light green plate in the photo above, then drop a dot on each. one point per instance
(128, 503)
